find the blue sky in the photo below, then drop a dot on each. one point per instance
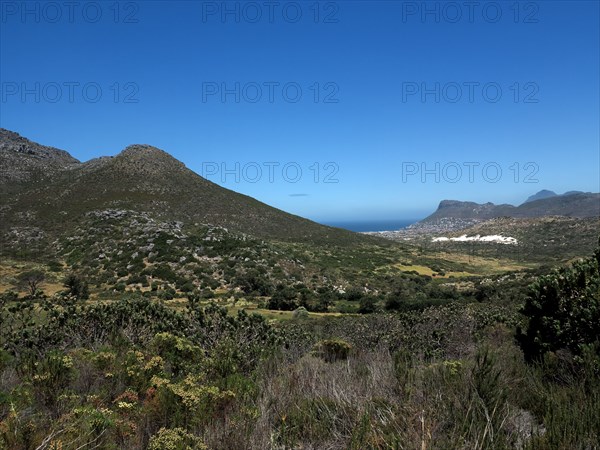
(507, 94)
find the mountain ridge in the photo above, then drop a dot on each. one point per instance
(544, 193)
(141, 178)
(52, 186)
(22, 160)
(571, 204)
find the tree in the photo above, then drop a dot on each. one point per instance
(31, 280)
(284, 299)
(326, 297)
(76, 287)
(255, 283)
(563, 310)
(487, 292)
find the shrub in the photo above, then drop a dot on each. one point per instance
(331, 350)
(176, 351)
(54, 266)
(283, 299)
(563, 310)
(53, 374)
(395, 301)
(175, 439)
(76, 287)
(353, 294)
(300, 313)
(487, 292)
(8, 296)
(185, 285)
(368, 305)
(164, 272)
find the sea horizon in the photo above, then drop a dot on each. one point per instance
(363, 226)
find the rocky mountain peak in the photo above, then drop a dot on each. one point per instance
(142, 149)
(143, 158)
(22, 160)
(12, 142)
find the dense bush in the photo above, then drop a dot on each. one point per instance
(368, 304)
(284, 298)
(332, 350)
(254, 282)
(130, 373)
(76, 287)
(441, 371)
(8, 296)
(563, 310)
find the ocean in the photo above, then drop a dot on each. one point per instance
(371, 225)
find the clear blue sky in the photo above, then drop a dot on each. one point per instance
(361, 67)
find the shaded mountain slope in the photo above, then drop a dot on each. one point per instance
(142, 178)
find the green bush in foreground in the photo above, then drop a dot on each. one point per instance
(563, 310)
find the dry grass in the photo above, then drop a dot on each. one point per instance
(9, 270)
(373, 401)
(424, 270)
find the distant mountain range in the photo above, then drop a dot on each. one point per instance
(46, 187)
(549, 194)
(544, 193)
(544, 203)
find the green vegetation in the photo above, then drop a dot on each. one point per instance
(140, 373)
(76, 287)
(127, 331)
(541, 240)
(564, 311)
(143, 307)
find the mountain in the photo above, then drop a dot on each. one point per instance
(544, 193)
(470, 210)
(22, 160)
(571, 204)
(54, 191)
(574, 204)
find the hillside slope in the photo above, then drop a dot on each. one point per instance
(22, 160)
(141, 178)
(571, 204)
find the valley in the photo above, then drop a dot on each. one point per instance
(321, 225)
(151, 308)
